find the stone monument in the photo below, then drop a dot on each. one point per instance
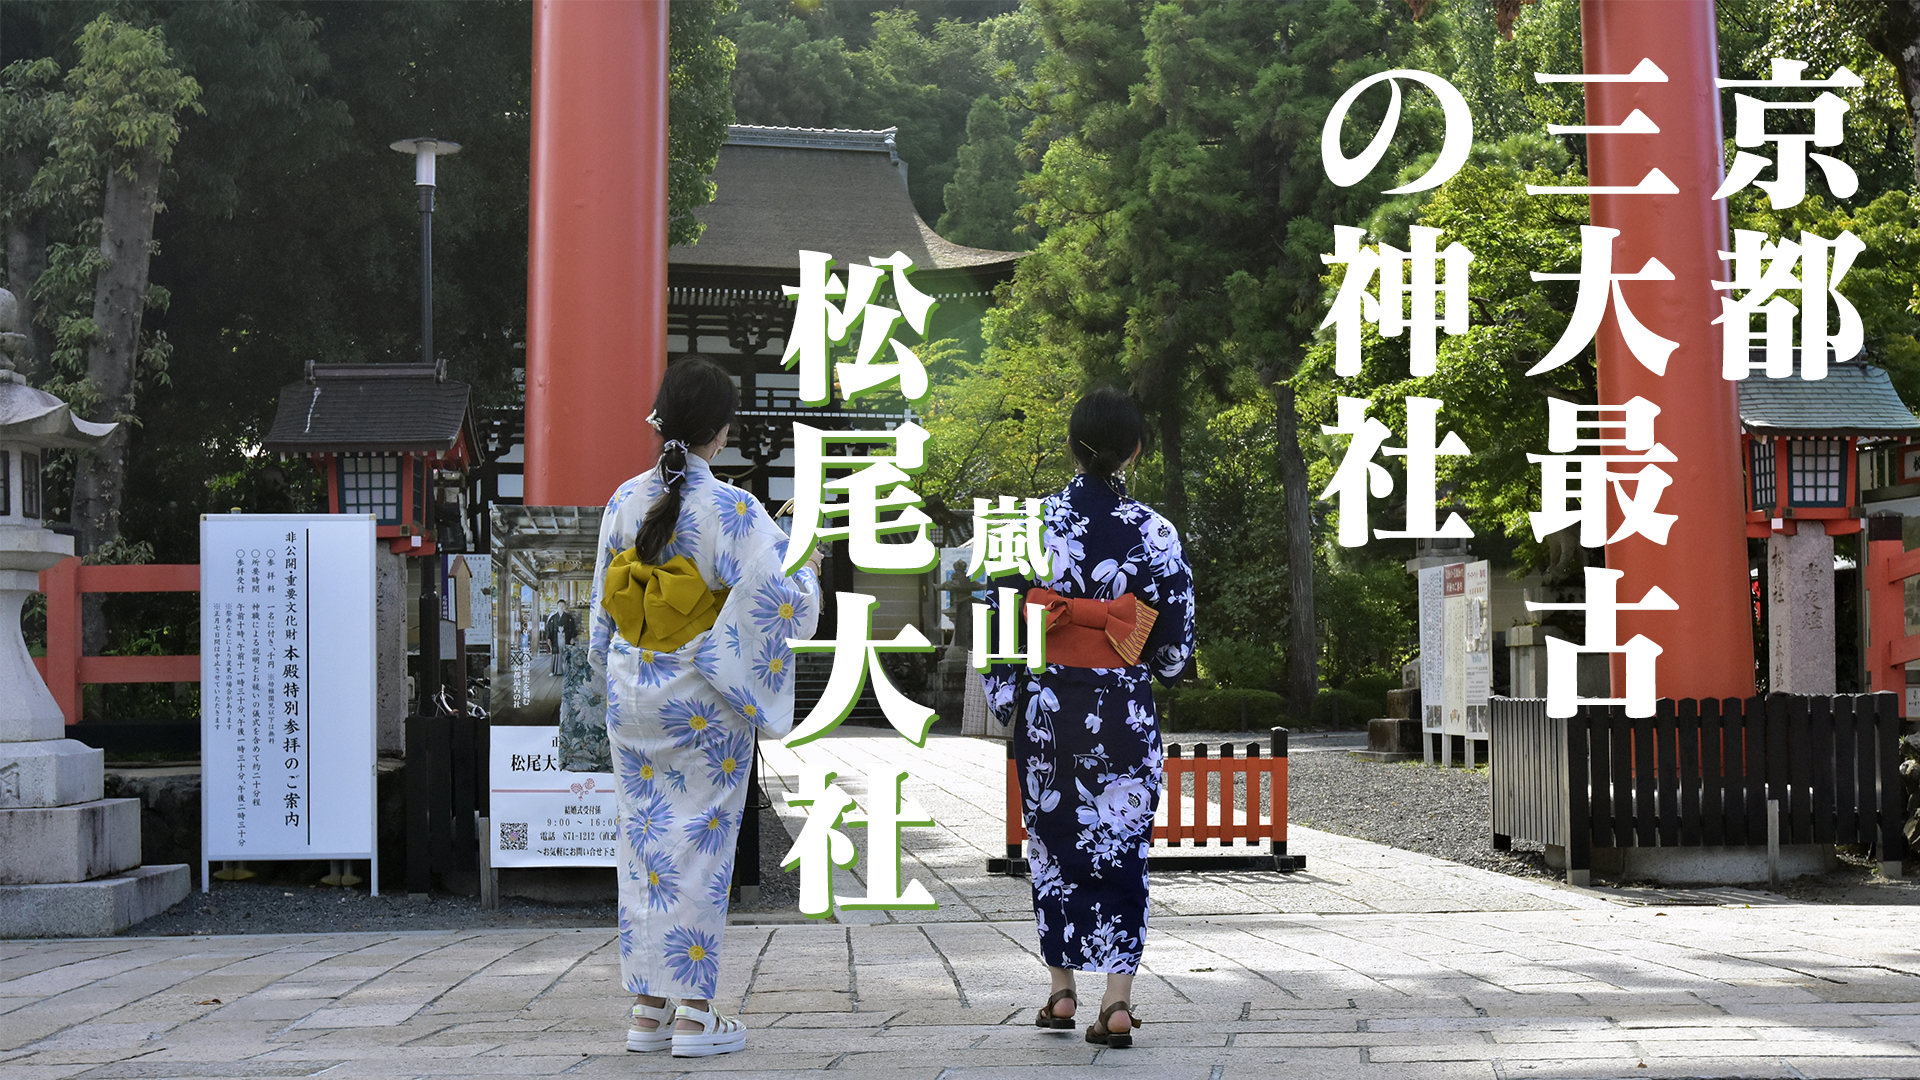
(69, 859)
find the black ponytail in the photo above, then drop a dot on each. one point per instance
(1105, 430)
(697, 398)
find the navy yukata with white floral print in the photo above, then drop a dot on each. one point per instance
(1087, 739)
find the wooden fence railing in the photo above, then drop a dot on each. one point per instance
(1216, 785)
(1889, 647)
(64, 667)
(1699, 774)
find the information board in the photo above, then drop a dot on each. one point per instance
(1453, 674)
(542, 815)
(287, 688)
(1478, 649)
(1432, 648)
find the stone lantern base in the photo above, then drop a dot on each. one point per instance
(69, 859)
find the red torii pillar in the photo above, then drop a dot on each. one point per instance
(1708, 642)
(597, 246)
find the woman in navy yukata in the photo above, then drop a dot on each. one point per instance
(1119, 599)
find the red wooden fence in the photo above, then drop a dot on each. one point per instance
(1889, 647)
(65, 669)
(1264, 819)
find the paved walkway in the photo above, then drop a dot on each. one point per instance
(1378, 964)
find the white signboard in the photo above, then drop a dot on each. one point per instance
(287, 688)
(541, 815)
(1432, 648)
(480, 599)
(1478, 650)
(1453, 674)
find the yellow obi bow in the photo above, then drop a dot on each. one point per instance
(659, 607)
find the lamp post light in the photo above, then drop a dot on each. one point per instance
(425, 153)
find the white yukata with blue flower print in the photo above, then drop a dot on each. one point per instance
(681, 725)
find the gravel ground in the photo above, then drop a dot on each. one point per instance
(1438, 812)
(283, 900)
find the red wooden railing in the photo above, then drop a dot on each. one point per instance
(1889, 647)
(1264, 819)
(65, 669)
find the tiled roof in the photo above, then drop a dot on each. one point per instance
(1854, 399)
(369, 408)
(781, 191)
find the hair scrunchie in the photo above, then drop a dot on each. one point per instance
(673, 476)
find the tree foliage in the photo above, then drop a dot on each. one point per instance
(290, 230)
(920, 67)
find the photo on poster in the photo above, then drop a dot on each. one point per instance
(543, 559)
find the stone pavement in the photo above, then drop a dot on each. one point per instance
(1416, 968)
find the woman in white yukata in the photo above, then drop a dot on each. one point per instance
(691, 617)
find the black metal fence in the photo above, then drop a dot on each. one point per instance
(1699, 773)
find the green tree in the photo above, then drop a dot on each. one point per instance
(983, 202)
(290, 231)
(124, 98)
(915, 66)
(699, 108)
(1186, 211)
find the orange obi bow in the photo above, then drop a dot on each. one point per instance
(1094, 633)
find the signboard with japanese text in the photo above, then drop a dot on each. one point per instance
(1432, 647)
(1476, 650)
(1453, 670)
(287, 687)
(542, 815)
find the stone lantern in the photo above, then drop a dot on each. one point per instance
(69, 859)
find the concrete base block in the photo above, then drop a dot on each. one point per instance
(1391, 739)
(556, 884)
(69, 843)
(56, 772)
(99, 908)
(1701, 865)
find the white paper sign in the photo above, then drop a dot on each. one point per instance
(543, 816)
(1453, 628)
(1432, 649)
(1478, 650)
(287, 687)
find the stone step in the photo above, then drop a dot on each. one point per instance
(98, 908)
(44, 845)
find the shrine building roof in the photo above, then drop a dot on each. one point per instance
(369, 408)
(1854, 399)
(781, 191)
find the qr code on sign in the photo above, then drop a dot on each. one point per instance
(513, 836)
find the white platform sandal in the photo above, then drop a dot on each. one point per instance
(717, 1035)
(642, 1041)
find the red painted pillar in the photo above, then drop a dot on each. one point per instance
(1708, 642)
(597, 246)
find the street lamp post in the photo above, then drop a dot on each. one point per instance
(425, 152)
